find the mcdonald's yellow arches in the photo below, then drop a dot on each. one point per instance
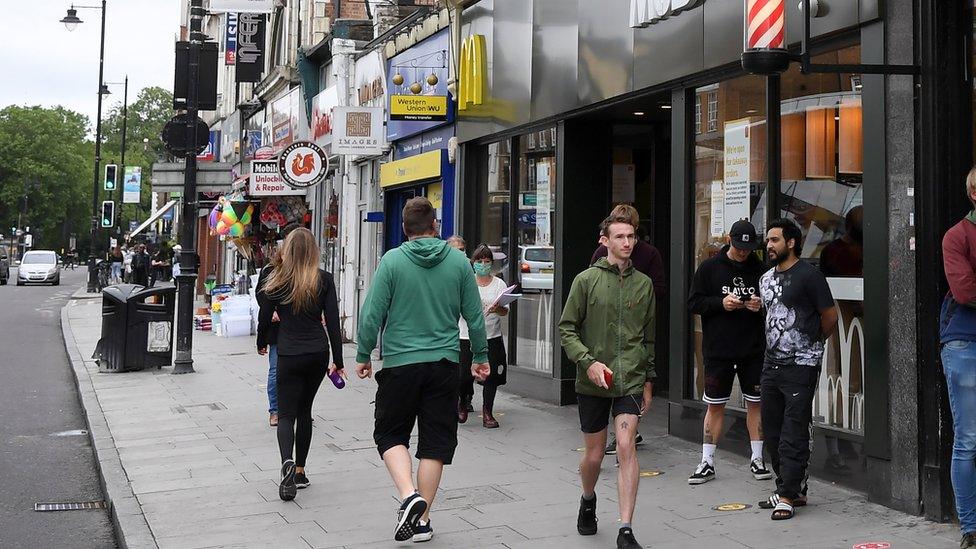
(473, 80)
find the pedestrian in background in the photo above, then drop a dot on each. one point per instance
(269, 338)
(607, 330)
(957, 336)
(490, 288)
(177, 250)
(725, 293)
(116, 260)
(302, 295)
(466, 386)
(800, 316)
(419, 292)
(647, 260)
(140, 266)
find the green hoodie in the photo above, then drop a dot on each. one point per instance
(419, 292)
(609, 317)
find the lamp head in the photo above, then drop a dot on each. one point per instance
(71, 20)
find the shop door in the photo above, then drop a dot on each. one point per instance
(395, 202)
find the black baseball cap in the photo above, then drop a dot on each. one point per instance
(743, 236)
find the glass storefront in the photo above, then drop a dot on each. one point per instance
(527, 256)
(820, 189)
(535, 220)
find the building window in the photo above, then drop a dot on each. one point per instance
(698, 118)
(712, 111)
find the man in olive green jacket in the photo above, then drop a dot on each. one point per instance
(607, 329)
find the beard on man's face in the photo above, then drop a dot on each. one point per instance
(777, 256)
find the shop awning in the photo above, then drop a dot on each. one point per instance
(154, 217)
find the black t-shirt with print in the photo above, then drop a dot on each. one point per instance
(793, 301)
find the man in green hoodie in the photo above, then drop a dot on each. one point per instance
(607, 330)
(419, 292)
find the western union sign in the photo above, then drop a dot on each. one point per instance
(414, 168)
(473, 80)
(420, 108)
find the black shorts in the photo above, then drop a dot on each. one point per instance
(425, 393)
(497, 359)
(720, 373)
(595, 411)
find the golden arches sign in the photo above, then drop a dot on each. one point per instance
(473, 79)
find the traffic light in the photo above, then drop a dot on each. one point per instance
(111, 176)
(108, 213)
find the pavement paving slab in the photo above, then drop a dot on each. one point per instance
(195, 465)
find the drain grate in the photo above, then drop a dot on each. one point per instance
(70, 506)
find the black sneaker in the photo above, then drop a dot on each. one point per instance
(408, 517)
(704, 473)
(639, 439)
(586, 523)
(626, 540)
(759, 470)
(301, 481)
(468, 404)
(611, 447)
(968, 541)
(287, 489)
(424, 532)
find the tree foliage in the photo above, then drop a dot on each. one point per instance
(47, 156)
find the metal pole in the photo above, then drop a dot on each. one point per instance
(187, 281)
(120, 175)
(92, 277)
(774, 131)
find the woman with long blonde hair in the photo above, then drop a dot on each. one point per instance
(301, 294)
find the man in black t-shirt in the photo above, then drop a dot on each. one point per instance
(800, 315)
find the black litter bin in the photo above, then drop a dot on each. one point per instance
(136, 334)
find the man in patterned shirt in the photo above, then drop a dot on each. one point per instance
(800, 315)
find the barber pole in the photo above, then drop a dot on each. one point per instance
(764, 37)
(765, 25)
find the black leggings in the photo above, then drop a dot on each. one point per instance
(299, 377)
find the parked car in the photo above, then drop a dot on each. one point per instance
(39, 267)
(536, 265)
(4, 268)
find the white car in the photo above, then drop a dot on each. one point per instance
(536, 265)
(39, 267)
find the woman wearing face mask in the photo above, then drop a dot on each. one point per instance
(490, 287)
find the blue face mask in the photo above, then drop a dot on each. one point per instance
(482, 269)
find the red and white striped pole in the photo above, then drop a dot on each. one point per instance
(764, 36)
(765, 24)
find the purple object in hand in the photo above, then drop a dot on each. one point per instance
(337, 380)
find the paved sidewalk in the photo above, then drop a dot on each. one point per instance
(190, 461)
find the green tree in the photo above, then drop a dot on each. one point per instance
(48, 157)
(147, 115)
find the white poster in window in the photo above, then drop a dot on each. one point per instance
(737, 171)
(717, 225)
(623, 183)
(543, 231)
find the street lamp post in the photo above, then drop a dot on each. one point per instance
(187, 279)
(71, 22)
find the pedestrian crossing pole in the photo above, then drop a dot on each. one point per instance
(187, 280)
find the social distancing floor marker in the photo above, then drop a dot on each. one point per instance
(731, 507)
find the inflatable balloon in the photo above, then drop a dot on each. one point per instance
(224, 219)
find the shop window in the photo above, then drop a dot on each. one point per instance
(823, 169)
(729, 180)
(495, 213)
(821, 189)
(534, 222)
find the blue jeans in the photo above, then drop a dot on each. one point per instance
(273, 379)
(959, 365)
